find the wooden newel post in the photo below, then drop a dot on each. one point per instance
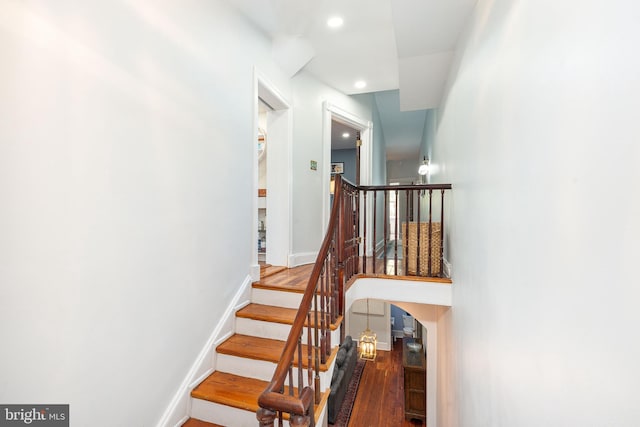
(265, 417)
(342, 224)
(299, 421)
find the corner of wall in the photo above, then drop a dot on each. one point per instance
(179, 407)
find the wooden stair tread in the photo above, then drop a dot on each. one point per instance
(192, 422)
(231, 390)
(270, 270)
(265, 349)
(288, 279)
(238, 392)
(270, 313)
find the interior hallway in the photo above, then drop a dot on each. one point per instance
(380, 398)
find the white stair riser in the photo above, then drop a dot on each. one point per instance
(222, 414)
(229, 416)
(261, 369)
(264, 329)
(276, 331)
(276, 298)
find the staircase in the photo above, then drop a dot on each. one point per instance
(245, 362)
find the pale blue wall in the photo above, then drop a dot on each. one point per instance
(348, 157)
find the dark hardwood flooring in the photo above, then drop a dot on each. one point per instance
(380, 398)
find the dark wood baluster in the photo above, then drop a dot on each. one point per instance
(290, 379)
(405, 236)
(350, 238)
(266, 418)
(430, 234)
(375, 240)
(300, 377)
(395, 243)
(356, 260)
(356, 232)
(386, 231)
(312, 353)
(323, 310)
(364, 233)
(326, 317)
(317, 353)
(442, 233)
(340, 264)
(418, 224)
(356, 246)
(334, 285)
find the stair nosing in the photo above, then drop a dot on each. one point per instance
(265, 318)
(220, 349)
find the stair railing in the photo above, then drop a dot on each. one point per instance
(344, 254)
(322, 304)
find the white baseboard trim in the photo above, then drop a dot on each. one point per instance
(182, 421)
(302, 258)
(180, 405)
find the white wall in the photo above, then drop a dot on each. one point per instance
(379, 321)
(126, 140)
(405, 171)
(379, 167)
(308, 95)
(539, 135)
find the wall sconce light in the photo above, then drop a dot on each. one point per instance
(424, 167)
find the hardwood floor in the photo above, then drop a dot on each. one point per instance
(380, 398)
(290, 279)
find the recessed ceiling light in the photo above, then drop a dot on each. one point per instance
(360, 84)
(335, 22)
(345, 135)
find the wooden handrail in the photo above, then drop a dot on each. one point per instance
(338, 260)
(272, 399)
(405, 187)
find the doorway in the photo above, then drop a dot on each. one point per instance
(334, 114)
(272, 177)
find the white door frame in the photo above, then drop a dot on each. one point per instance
(279, 176)
(333, 112)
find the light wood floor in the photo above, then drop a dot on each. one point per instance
(380, 398)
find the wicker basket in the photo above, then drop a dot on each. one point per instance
(410, 245)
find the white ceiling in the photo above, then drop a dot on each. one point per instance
(404, 45)
(338, 141)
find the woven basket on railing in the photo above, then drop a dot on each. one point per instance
(412, 247)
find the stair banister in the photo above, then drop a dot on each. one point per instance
(273, 401)
(338, 261)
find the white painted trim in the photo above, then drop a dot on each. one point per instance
(275, 98)
(205, 362)
(182, 421)
(331, 111)
(383, 345)
(201, 378)
(395, 290)
(302, 258)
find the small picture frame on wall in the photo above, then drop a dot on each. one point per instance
(337, 168)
